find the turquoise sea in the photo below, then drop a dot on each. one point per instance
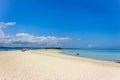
(100, 54)
(8, 49)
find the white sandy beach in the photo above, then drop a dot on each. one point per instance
(51, 65)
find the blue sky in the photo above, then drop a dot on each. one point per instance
(88, 23)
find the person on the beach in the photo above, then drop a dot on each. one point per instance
(77, 54)
(23, 50)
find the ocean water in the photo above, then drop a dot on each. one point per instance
(106, 54)
(8, 49)
(17, 48)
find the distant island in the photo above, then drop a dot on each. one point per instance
(17, 48)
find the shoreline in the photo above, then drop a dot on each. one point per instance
(79, 58)
(67, 53)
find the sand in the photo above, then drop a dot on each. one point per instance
(51, 65)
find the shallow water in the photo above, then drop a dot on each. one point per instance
(108, 54)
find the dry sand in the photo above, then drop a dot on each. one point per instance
(51, 65)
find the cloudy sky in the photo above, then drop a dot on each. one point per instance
(65, 23)
(28, 40)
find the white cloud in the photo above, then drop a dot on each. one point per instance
(1, 34)
(5, 25)
(90, 45)
(23, 39)
(79, 39)
(22, 34)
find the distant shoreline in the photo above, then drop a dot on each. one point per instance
(68, 53)
(62, 49)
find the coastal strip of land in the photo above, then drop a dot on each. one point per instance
(50, 64)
